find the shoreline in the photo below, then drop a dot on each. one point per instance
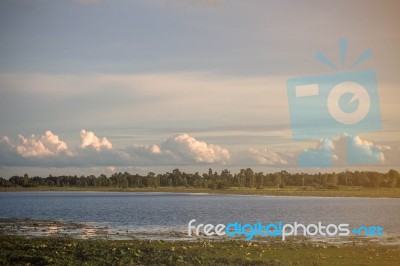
(291, 191)
(69, 251)
(77, 243)
(32, 228)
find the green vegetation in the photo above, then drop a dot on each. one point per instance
(356, 184)
(16, 250)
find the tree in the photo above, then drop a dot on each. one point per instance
(393, 178)
(249, 178)
(124, 182)
(259, 180)
(333, 179)
(277, 179)
(5, 183)
(364, 180)
(241, 178)
(210, 172)
(374, 179)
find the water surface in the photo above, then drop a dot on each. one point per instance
(141, 211)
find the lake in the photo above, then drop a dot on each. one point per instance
(147, 211)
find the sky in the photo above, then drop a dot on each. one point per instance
(99, 86)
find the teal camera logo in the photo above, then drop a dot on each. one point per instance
(330, 105)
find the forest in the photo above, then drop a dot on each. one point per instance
(214, 180)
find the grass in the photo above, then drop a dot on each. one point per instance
(287, 191)
(16, 250)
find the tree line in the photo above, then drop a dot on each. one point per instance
(214, 180)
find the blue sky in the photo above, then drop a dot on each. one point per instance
(92, 86)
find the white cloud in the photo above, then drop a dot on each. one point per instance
(345, 151)
(48, 150)
(95, 151)
(188, 148)
(32, 147)
(320, 157)
(40, 146)
(361, 151)
(180, 149)
(53, 142)
(89, 139)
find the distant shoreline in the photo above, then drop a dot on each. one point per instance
(288, 191)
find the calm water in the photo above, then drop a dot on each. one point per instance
(174, 210)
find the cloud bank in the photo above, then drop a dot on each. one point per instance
(98, 151)
(48, 150)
